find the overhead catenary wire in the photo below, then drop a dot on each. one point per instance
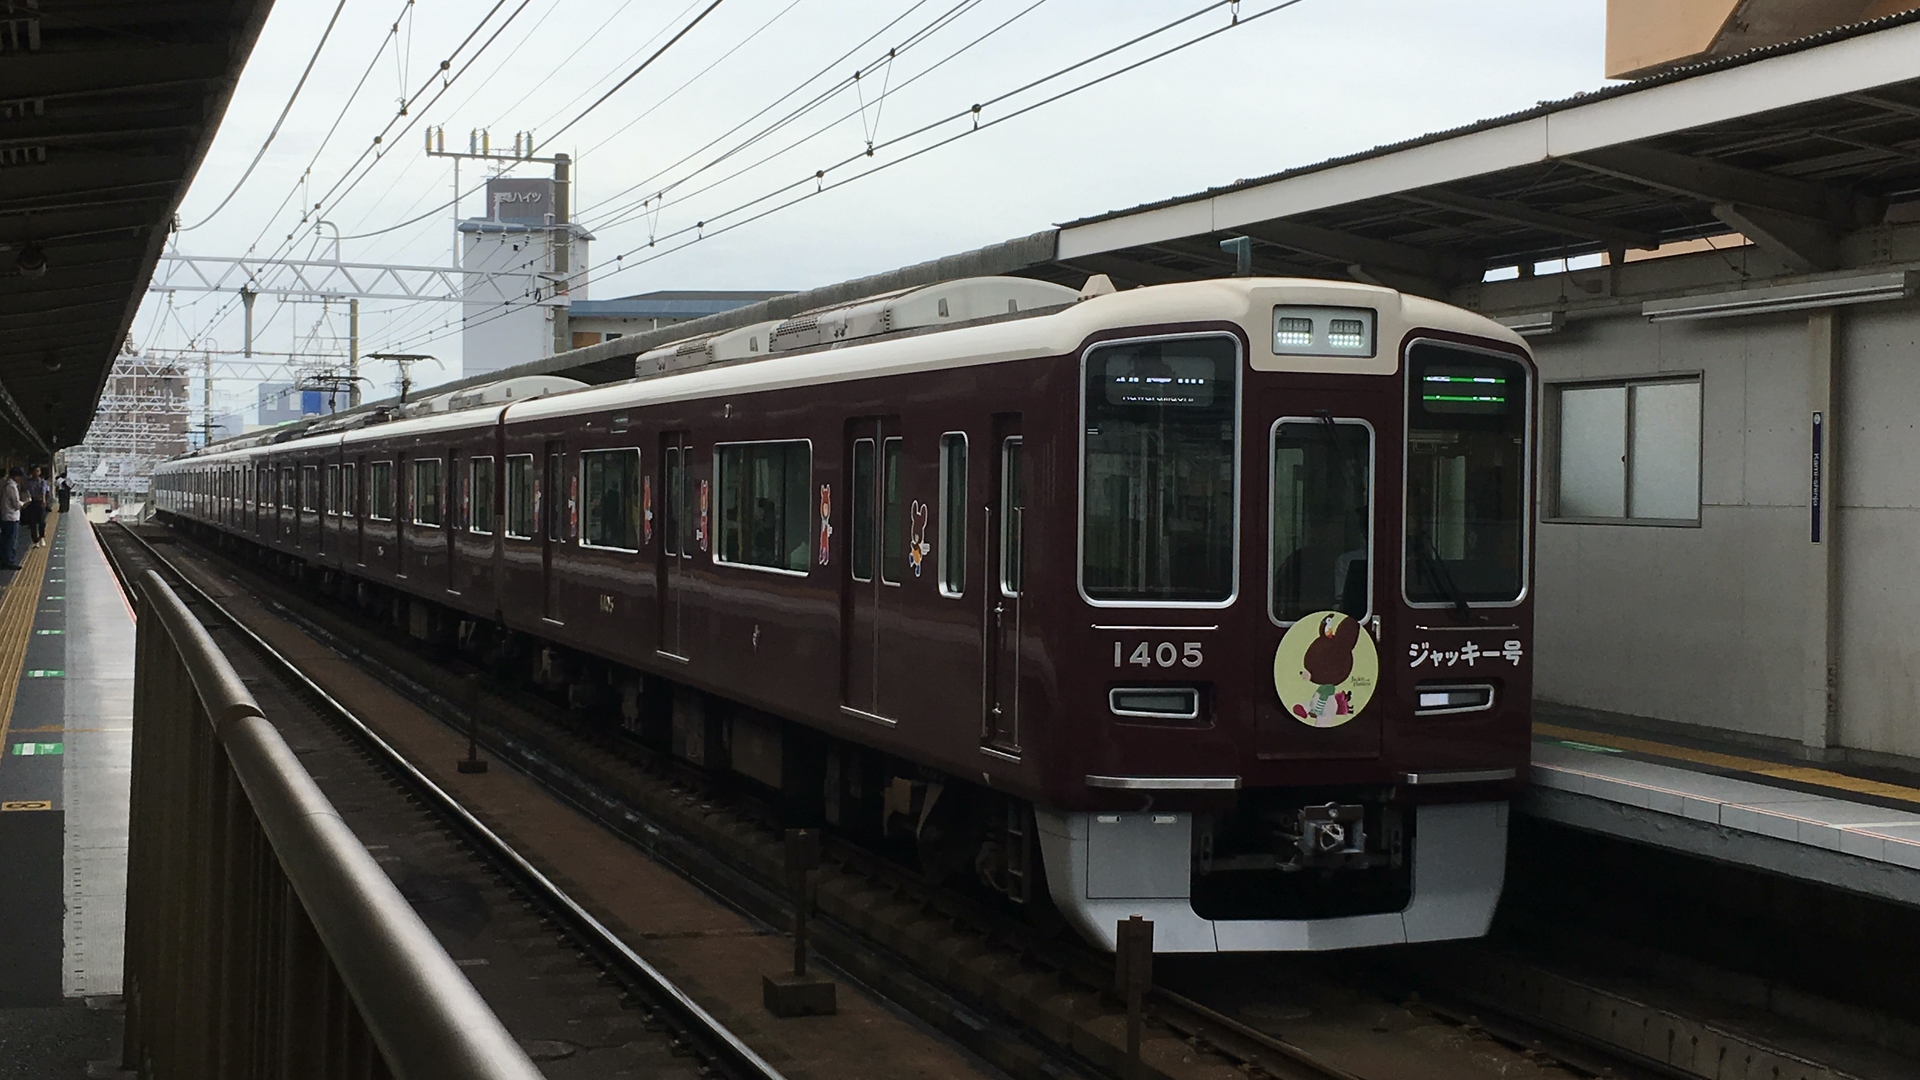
(619, 263)
(631, 75)
(625, 214)
(282, 119)
(446, 82)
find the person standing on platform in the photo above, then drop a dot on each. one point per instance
(66, 492)
(10, 518)
(37, 497)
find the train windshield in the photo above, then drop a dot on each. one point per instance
(1162, 418)
(1466, 476)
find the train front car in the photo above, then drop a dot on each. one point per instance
(1298, 699)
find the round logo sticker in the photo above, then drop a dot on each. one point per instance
(1326, 669)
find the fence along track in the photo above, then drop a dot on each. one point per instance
(262, 939)
(713, 1040)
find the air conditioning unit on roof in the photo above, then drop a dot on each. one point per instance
(741, 343)
(945, 303)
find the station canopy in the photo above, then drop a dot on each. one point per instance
(1793, 147)
(107, 108)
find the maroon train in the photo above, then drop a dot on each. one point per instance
(1207, 602)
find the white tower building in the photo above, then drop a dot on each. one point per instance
(524, 262)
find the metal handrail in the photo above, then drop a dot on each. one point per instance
(422, 1014)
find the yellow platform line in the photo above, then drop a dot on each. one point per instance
(17, 609)
(1798, 774)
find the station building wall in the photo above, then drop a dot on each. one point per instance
(1732, 622)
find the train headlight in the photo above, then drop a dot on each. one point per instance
(1323, 331)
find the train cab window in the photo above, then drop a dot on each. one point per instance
(480, 489)
(953, 513)
(863, 515)
(765, 508)
(333, 490)
(1012, 518)
(349, 492)
(893, 515)
(380, 491)
(426, 491)
(1466, 476)
(1322, 515)
(610, 484)
(1160, 471)
(520, 515)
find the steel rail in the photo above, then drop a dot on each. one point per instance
(419, 1008)
(740, 1058)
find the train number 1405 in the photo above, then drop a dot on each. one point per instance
(1165, 654)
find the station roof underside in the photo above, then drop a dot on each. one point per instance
(107, 108)
(1794, 147)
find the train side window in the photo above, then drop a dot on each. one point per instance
(953, 513)
(480, 491)
(1322, 515)
(289, 487)
(893, 521)
(610, 483)
(557, 502)
(333, 490)
(765, 507)
(426, 491)
(520, 516)
(863, 516)
(349, 492)
(1012, 518)
(309, 488)
(676, 508)
(380, 491)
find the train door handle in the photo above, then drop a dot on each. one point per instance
(998, 611)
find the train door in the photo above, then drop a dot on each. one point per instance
(1318, 457)
(453, 516)
(352, 503)
(310, 525)
(1005, 524)
(557, 498)
(679, 509)
(875, 559)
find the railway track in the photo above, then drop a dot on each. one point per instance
(453, 865)
(1030, 1003)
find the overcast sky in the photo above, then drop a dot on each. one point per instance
(1318, 79)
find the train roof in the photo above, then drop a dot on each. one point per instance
(1054, 332)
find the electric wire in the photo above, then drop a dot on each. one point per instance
(626, 214)
(631, 75)
(619, 263)
(288, 108)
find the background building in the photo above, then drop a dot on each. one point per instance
(595, 321)
(1645, 37)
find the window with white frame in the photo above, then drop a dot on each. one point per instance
(1628, 450)
(610, 489)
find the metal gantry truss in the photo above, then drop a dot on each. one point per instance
(141, 421)
(317, 278)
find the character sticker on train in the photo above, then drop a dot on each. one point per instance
(917, 547)
(1326, 669)
(826, 522)
(646, 509)
(700, 533)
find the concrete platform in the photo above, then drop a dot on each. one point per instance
(1844, 829)
(66, 741)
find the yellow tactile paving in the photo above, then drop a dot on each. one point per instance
(16, 623)
(1798, 774)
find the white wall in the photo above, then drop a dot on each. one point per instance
(1879, 529)
(1703, 625)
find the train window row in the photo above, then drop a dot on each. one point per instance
(763, 510)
